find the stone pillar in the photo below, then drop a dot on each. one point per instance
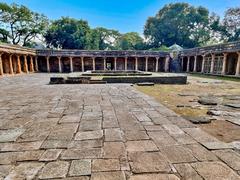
(146, 64)
(238, 65)
(10, 64)
(19, 70)
(125, 67)
(115, 63)
(48, 65)
(188, 63)
(203, 63)
(25, 68)
(157, 59)
(31, 64)
(36, 63)
(212, 64)
(104, 63)
(82, 62)
(195, 64)
(224, 63)
(59, 64)
(1, 65)
(71, 64)
(136, 64)
(94, 64)
(166, 67)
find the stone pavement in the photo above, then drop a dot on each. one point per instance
(101, 132)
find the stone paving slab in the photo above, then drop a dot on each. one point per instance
(102, 132)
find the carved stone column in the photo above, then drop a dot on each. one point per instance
(146, 64)
(48, 65)
(157, 59)
(203, 63)
(195, 64)
(125, 67)
(238, 65)
(71, 64)
(115, 63)
(136, 63)
(166, 67)
(1, 65)
(31, 64)
(188, 63)
(224, 63)
(10, 64)
(104, 64)
(82, 62)
(59, 64)
(25, 67)
(212, 64)
(36, 63)
(19, 70)
(94, 64)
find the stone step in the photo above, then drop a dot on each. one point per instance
(97, 82)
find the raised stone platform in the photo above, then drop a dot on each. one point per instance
(90, 77)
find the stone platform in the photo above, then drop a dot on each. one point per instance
(119, 77)
(102, 132)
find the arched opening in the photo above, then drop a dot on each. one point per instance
(110, 63)
(121, 63)
(232, 59)
(151, 64)
(185, 63)
(88, 63)
(141, 63)
(5, 63)
(191, 63)
(131, 63)
(161, 64)
(77, 64)
(99, 63)
(53, 64)
(199, 63)
(65, 64)
(42, 63)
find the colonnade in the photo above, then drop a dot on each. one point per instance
(214, 63)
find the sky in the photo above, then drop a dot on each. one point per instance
(122, 15)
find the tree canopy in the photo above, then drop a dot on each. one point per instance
(131, 41)
(19, 25)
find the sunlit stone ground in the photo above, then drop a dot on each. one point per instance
(101, 132)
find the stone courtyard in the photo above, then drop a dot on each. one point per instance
(102, 132)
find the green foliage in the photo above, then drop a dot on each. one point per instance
(68, 33)
(131, 41)
(20, 25)
(178, 23)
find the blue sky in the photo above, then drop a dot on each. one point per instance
(122, 15)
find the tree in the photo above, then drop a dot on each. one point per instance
(103, 39)
(231, 22)
(178, 23)
(19, 25)
(131, 41)
(68, 33)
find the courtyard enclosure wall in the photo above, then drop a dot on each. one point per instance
(221, 59)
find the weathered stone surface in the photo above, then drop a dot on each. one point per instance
(89, 135)
(5, 170)
(154, 177)
(80, 168)
(141, 116)
(153, 128)
(50, 155)
(230, 157)
(233, 105)
(27, 146)
(199, 135)
(99, 165)
(70, 119)
(113, 134)
(135, 135)
(56, 169)
(161, 138)
(87, 144)
(90, 125)
(52, 144)
(144, 145)
(25, 171)
(117, 175)
(147, 162)
(63, 131)
(114, 150)
(10, 135)
(173, 129)
(187, 172)
(208, 101)
(215, 170)
(81, 154)
(178, 154)
(217, 145)
(199, 120)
